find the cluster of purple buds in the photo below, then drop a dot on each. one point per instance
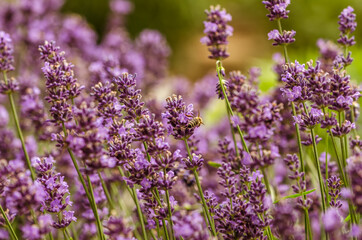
(153, 45)
(217, 31)
(61, 84)
(310, 119)
(7, 64)
(347, 25)
(277, 9)
(87, 138)
(292, 161)
(21, 193)
(57, 196)
(344, 129)
(286, 37)
(180, 118)
(6, 53)
(334, 187)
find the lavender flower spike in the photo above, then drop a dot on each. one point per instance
(279, 39)
(347, 24)
(217, 31)
(277, 9)
(6, 53)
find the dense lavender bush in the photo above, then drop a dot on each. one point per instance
(87, 153)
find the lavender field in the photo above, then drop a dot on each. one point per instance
(99, 140)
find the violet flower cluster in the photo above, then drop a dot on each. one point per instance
(121, 164)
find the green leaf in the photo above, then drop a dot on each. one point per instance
(214, 164)
(347, 218)
(295, 195)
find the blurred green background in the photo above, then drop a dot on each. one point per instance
(181, 23)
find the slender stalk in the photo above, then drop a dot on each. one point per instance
(10, 228)
(206, 208)
(95, 210)
(284, 46)
(166, 191)
(307, 226)
(326, 164)
(132, 192)
(266, 181)
(139, 212)
(219, 68)
(65, 235)
(170, 213)
(87, 192)
(127, 187)
(106, 192)
(50, 236)
(18, 129)
(232, 132)
(165, 229)
(75, 234)
(320, 177)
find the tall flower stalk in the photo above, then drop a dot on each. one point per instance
(277, 11)
(8, 223)
(62, 88)
(9, 86)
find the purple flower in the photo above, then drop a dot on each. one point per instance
(61, 83)
(277, 9)
(217, 31)
(68, 218)
(56, 189)
(117, 228)
(196, 162)
(334, 187)
(4, 117)
(347, 24)
(178, 116)
(292, 94)
(279, 39)
(153, 45)
(344, 129)
(6, 52)
(332, 220)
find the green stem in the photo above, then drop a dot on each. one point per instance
(266, 181)
(315, 151)
(139, 212)
(320, 178)
(206, 208)
(170, 213)
(127, 187)
(326, 165)
(307, 228)
(307, 224)
(50, 236)
(95, 210)
(18, 129)
(87, 192)
(106, 192)
(299, 139)
(284, 45)
(219, 68)
(75, 234)
(232, 132)
(165, 229)
(11, 230)
(133, 194)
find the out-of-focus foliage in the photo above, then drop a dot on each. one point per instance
(181, 23)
